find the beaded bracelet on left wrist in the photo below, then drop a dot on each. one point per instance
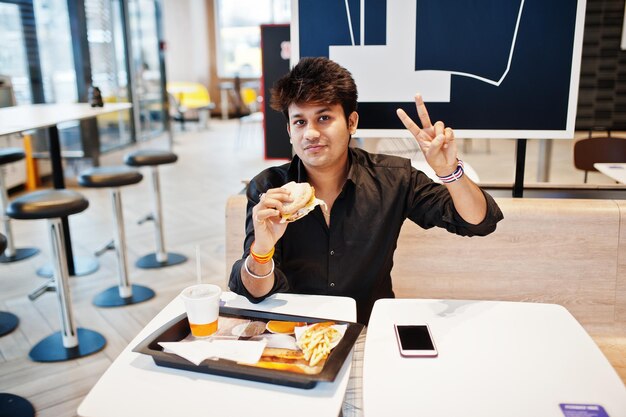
(262, 259)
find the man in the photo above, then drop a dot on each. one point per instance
(347, 249)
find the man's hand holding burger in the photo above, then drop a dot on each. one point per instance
(268, 228)
(276, 208)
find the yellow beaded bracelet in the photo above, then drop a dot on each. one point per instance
(262, 259)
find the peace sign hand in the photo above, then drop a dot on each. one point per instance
(436, 142)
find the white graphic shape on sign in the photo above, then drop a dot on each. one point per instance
(383, 72)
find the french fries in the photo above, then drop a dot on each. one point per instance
(315, 342)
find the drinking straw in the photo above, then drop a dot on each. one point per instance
(198, 265)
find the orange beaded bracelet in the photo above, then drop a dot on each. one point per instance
(262, 259)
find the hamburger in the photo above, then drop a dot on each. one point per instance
(304, 201)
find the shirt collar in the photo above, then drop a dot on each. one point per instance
(297, 171)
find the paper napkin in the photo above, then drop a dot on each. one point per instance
(195, 351)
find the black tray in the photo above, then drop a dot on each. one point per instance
(178, 328)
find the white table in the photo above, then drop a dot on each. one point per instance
(134, 386)
(617, 171)
(495, 359)
(36, 116)
(423, 166)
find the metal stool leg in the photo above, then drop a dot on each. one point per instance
(11, 253)
(124, 293)
(69, 343)
(161, 258)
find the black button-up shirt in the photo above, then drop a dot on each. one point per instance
(353, 256)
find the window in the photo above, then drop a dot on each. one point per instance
(13, 52)
(239, 36)
(55, 51)
(108, 68)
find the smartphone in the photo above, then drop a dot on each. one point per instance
(415, 340)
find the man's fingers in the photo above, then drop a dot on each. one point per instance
(269, 202)
(408, 122)
(275, 197)
(437, 143)
(449, 135)
(279, 193)
(264, 214)
(422, 112)
(439, 128)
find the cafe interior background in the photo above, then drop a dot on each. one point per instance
(152, 53)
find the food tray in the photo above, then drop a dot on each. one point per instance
(178, 329)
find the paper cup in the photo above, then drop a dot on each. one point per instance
(202, 304)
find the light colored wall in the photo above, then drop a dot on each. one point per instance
(187, 39)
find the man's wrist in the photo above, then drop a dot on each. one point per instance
(257, 270)
(456, 175)
(262, 257)
(261, 249)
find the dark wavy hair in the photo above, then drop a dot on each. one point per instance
(315, 81)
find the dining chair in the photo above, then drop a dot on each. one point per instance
(590, 150)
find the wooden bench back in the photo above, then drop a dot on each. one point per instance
(561, 251)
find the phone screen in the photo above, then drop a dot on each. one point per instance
(415, 337)
(415, 340)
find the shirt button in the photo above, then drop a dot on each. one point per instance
(332, 252)
(332, 284)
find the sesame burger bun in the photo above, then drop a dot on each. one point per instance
(303, 196)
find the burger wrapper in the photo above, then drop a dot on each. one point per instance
(305, 210)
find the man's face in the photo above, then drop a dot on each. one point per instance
(320, 133)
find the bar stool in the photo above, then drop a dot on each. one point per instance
(154, 158)
(69, 343)
(10, 253)
(113, 178)
(8, 321)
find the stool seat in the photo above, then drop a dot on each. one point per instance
(15, 406)
(47, 204)
(109, 177)
(147, 157)
(8, 155)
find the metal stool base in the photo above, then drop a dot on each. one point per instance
(51, 348)
(20, 254)
(111, 297)
(15, 406)
(149, 261)
(82, 266)
(8, 323)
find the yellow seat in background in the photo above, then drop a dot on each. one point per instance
(189, 101)
(249, 98)
(190, 95)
